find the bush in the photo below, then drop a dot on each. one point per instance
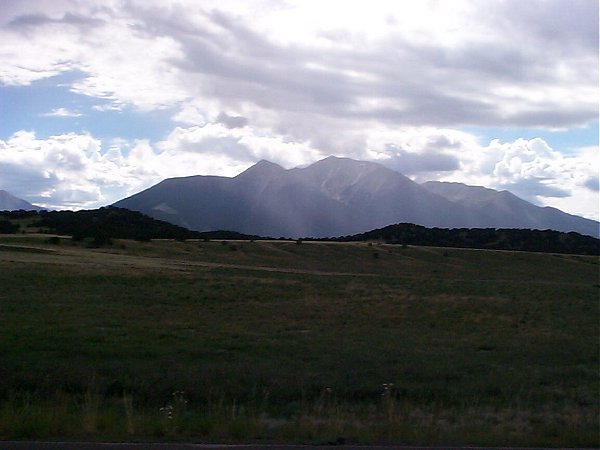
(7, 227)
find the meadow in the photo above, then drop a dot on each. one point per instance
(281, 341)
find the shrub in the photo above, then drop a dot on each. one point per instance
(7, 227)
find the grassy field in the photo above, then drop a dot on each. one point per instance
(306, 343)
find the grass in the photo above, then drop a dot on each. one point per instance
(286, 342)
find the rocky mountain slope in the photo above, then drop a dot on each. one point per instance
(9, 202)
(501, 209)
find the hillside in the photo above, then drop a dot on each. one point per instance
(335, 197)
(99, 224)
(547, 241)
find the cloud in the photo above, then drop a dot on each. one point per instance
(67, 170)
(415, 163)
(535, 188)
(237, 147)
(523, 65)
(232, 121)
(111, 106)
(38, 19)
(62, 112)
(592, 184)
(120, 62)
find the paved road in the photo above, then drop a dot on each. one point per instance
(13, 445)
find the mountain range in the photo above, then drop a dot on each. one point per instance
(9, 202)
(336, 197)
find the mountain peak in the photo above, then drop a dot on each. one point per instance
(349, 169)
(340, 161)
(263, 163)
(262, 168)
(336, 163)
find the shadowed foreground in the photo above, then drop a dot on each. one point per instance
(165, 446)
(310, 343)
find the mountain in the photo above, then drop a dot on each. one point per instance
(501, 209)
(333, 197)
(9, 202)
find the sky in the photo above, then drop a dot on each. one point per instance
(100, 99)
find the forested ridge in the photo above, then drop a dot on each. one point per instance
(101, 224)
(107, 223)
(548, 241)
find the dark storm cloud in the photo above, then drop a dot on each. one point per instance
(232, 121)
(245, 65)
(409, 163)
(443, 142)
(529, 188)
(565, 25)
(553, 117)
(33, 20)
(592, 184)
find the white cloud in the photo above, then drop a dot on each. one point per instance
(67, 170)
(216, 149)
(122, 62)
(114, 106)
(62, 112)
(140, 72)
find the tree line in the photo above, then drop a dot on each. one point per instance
(111, 222)
(548, 241)
(101, 224)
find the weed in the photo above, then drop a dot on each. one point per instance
(174, 413)
(129, 414)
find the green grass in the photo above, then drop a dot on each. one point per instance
(281, 342)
